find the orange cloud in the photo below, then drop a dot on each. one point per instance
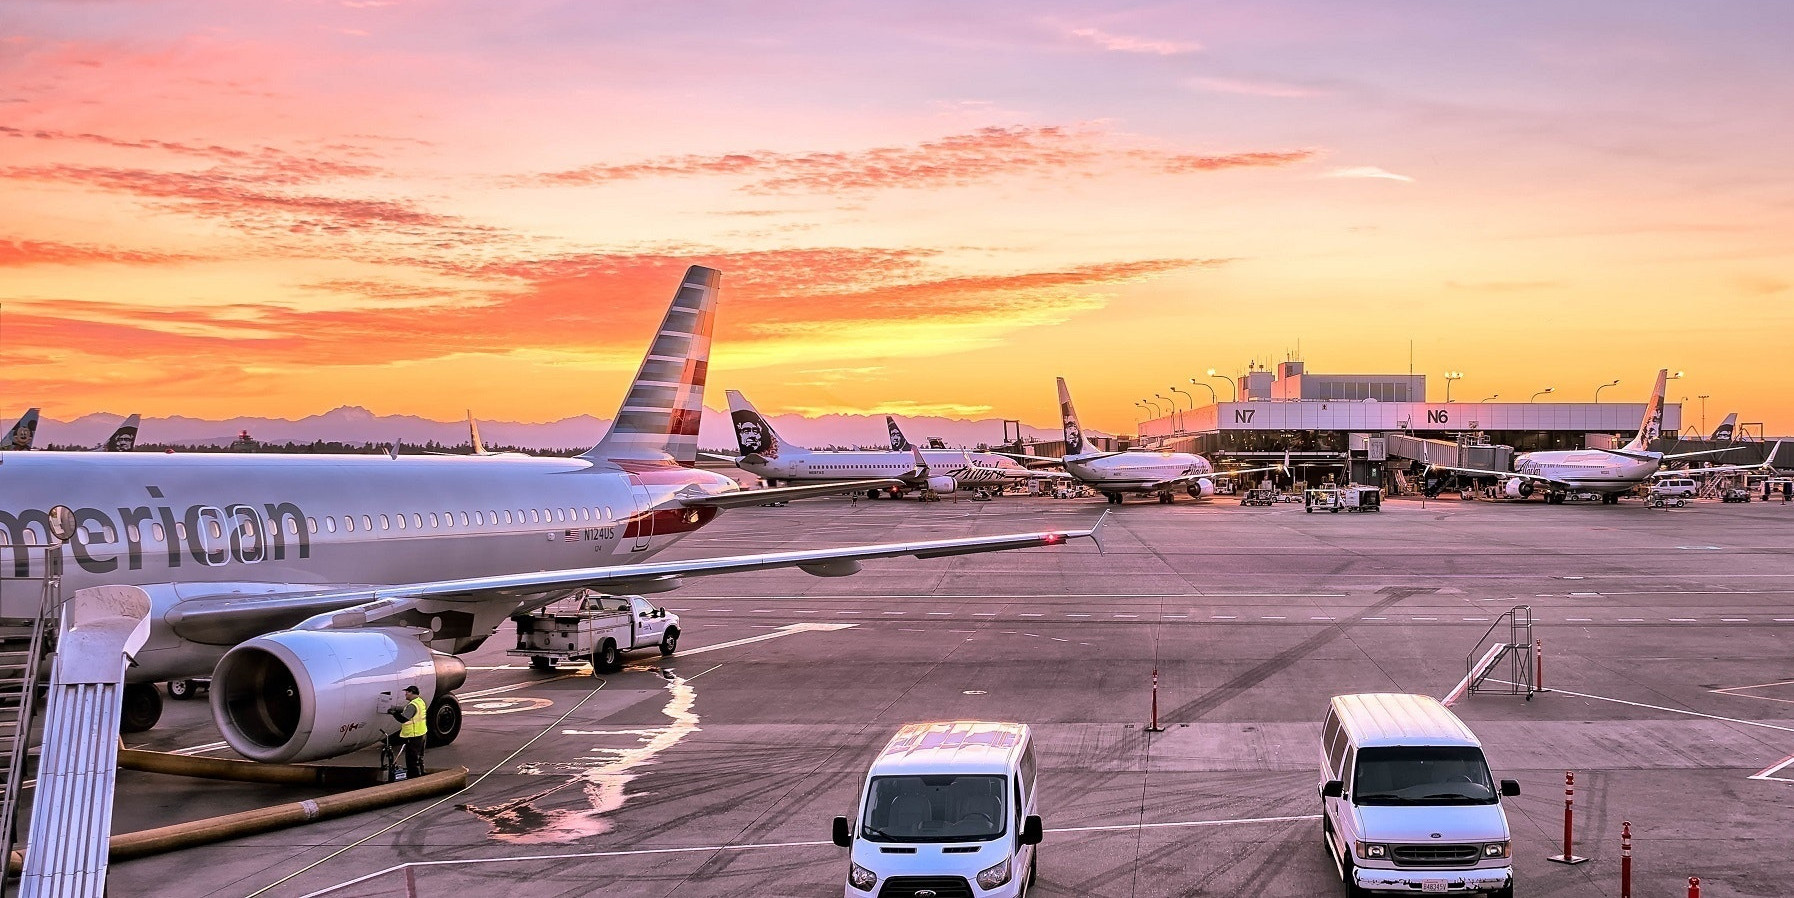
(20, 253)
(1181, 164)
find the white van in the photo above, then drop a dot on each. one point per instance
(1407, 802)
(1685, 487)
(948, 811)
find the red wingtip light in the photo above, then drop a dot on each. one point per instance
(1053, 539)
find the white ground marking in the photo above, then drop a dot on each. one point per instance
(786, 630)
(1621, 701)
(758, 846)
(1769, 773)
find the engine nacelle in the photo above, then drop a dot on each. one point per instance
(942, 484)
(1516, 488)
(301, 695)
(1200, 488)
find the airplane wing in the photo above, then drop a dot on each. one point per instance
(718, 456)
(1037, 459)
(1179, 481)
(786, 493)
(1506, 475)
(1723, 469)
(1702, 452)
(227, 619)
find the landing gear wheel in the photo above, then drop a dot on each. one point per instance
(669, 643)
(542, 663)
(606, 658)
(142, 708)
(182, 690)
(1164, 498)
(1114, 498)
(872, 494)
(444, 718)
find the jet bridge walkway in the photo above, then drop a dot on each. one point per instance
(1448, 453)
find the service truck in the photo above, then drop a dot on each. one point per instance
(595, 628)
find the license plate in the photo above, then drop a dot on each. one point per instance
(1433, 885)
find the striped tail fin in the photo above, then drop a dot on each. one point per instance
(658, 420)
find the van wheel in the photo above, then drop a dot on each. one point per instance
(1506, 892)
(1351, 886)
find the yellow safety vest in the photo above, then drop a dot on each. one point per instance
(418, 725)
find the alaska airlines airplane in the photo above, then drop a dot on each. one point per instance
(1609, 473)
(23, 432)
(1140, 473)
(310, 586)
(124, 439)
(776, 460)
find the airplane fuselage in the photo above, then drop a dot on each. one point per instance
(1137, 471)
(1588, 470)
(819, 466)
(203, 525)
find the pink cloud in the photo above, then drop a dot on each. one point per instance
(1124, 44)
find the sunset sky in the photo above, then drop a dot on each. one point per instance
(225, 208)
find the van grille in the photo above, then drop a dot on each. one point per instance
(1436, 855)
(941, 886)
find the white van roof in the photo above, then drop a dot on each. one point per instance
(1389, 718)
(955, 746)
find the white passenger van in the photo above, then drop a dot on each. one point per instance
(1684, 487)
(948, 811)
(1407, 802)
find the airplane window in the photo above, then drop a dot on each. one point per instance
(156, 532)
(293, 526)
(311, 524)
(111, 534)
(330, 523)
(417, 520)
(180, 532)
(385, 523)
(585, 514)
(479, 518)
(401, 522)
(5, 538)
(560, 514)
(367, 523)
(448, 519)
(432, 520)
(507, 516)
(82, 537)
(464, 518)
(532, 516)
(30, 537)
(132, 532)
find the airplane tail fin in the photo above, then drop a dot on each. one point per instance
(1068, 416)
(124, 439)
(22, 433)
(1652, 425)
(899, 442)
(753, 433)
(473, 435)
(658, 420)
(1723, 433)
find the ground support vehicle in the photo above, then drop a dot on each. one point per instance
(594, 628)
(1664, 499)
(1361, 498)
(181, 690)
(1262, 496)
(1322, 498)
(1735, 494)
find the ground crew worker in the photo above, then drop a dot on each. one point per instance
(414, 719)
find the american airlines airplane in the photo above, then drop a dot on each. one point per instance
(23, 432)
(1140, 473)
(776, 460)
(1609, 473)
(313, 588)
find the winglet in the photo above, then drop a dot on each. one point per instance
(473, 435)
(1096, 532)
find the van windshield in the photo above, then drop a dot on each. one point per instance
(944, 808)
(1422, 775)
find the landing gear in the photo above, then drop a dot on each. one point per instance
(1610, 498)
(1165, 498)
(1554, 498)
(1114, 498)
(142, 708)
(444, 718)
(182, 690)
(872, 494)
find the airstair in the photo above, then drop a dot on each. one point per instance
(1515, 658)
(29, 607)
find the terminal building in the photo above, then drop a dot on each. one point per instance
(1379, 428)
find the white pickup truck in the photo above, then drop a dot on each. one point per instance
(594, 628)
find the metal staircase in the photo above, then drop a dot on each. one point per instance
(25, 641)
(1517, 653)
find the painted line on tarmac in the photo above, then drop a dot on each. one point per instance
(1621, 701)
(1769, 773)
(756, 846)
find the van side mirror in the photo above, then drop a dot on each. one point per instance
(1510, 787)
(843, 836)
(1333, 789)
(1032, 830)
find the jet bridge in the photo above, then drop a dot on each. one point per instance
(1458, 454)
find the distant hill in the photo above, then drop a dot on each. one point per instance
(353, 424)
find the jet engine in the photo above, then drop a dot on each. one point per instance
(942, 484)
(1201, 488)
(1516, 488)
(301, 695)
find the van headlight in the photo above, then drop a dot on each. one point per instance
(861, 878)
(1495, 849)
(993, 876)
(1373, 850)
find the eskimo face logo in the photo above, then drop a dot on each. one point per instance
(124, 441)
(897, 440)
(752, 435)
(1074, 438)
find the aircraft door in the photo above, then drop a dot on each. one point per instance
(643, 524)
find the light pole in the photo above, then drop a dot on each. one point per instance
(1535, 396)
(1231, 386)
(1186, 396)
(1449, 377)
(1604, 386)
(1703, 399)
(1212, 398)
(1149, 414)
(1154, 407)
(1493, 397)
(1175, 417)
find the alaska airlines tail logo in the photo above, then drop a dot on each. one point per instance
(1074, 438)
(752, 434)
(898, 442)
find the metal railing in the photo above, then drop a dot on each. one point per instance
(1517, 653)
(19, 695)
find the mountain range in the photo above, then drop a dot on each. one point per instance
(356, 425)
